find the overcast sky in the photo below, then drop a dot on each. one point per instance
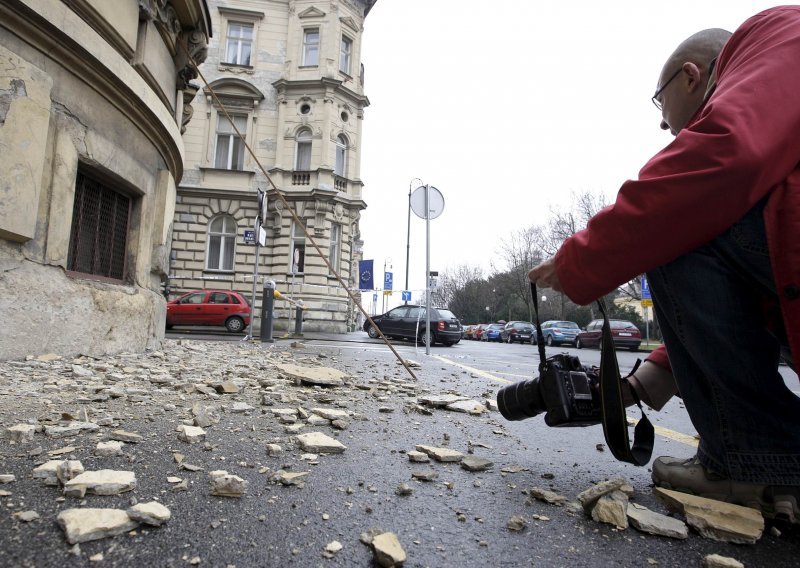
(508, 107)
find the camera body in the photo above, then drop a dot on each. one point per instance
(566, 390)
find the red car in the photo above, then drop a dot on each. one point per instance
(624, 334)
(210, 307)
(478, 330)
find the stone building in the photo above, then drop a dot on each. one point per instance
(93, 97)
(288, 74)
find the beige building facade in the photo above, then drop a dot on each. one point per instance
(287, 75)
(93, 98)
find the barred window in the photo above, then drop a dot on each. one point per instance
(99, 236)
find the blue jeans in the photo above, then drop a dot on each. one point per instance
(710, 305)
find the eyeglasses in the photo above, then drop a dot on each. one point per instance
(660, 90)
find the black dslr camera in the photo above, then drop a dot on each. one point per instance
(566, 390)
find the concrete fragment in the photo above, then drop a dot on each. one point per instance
(417, 457)
(205, 416)
(440, 400)
(83, 525)
(330, 413)
(72, 429)
(333, 547)
(227, 388)
(320, 443)
(403, 490)
(224, 484)
(441, 454)
(547, 496)
(191, 434)
(124, 436)
(472, 407)
(240, 407)
(474, 463)
(7, 478)
(647, 521)
(46, 470)
(716, 520)
(719, 561)
(388, 551)
(321, 376)
(152, 513)
(588, 497)
(517, 523)
(110, 448)
(612, 508)
(21, 433)
(297, 478)
(274, 450)
(100, 482)
(427, 475)
(68, 469)
(26, 516)
(78, 371)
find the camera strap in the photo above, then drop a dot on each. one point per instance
(539, 334)
(615, 419)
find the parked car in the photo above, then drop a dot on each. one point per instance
(468, 329)
(210, 307)
(492, 332)
(624, 334)
(522, 331)
(477, 331)
(409, 322)
(560, 332)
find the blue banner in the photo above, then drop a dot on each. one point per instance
(365, 279)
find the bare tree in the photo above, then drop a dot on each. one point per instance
(452, 280)
(520, 252)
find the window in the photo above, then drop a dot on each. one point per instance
(311, 47)
(297, 261)
(335, 251)
(221, 243)
(230, 148)
(196, 298)
(341, 155)
(303, 153)
(345, 51)
(99, 234)
(240, 41)
(218, 298)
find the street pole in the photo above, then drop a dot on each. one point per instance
(408, 235)
(256, 228)
(427, 270)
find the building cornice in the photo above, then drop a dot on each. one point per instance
(302, 87)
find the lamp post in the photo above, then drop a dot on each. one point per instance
(408, 230)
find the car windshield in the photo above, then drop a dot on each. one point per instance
(616, 324)
(567, 324)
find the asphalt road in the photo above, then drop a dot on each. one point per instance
(457, 520)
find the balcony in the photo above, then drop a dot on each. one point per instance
(315, 179)
(339, 183)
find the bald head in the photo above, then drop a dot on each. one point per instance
(684, 79)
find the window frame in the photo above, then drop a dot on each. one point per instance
(240, 16)
(305, 141)
(240, 40)
(293, 243)
(340, 166)
(306, 46)
(346, 55)
(335, 246)
(233, 140)
(229, 237)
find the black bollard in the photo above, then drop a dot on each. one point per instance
(298, 319)
(267, 305)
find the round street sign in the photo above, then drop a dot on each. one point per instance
(435, 202)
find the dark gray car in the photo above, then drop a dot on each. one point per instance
(409, 322)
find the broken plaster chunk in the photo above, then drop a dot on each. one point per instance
(274, 450)
(224, 484)
(427, 475)
(417, 457)
(517, 523)
(152, 513)
(26, 516)
(547, 496)
(69, 469)
(100, 482)
(441, 454)
(320, 443)
(643, 519)
(612, 508)
(110, 448)
(240, 407)
(591, 495)
(330, 413)
(21, 433)
(719, 561)
(71, 429)
(7, 478)
(472, 407)
(124, 436)
(191, 434)
(85, 524)
(388, 550)
(320, 376)
(296, 478)
(475, 463)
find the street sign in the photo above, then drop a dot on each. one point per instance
(647, 303)
(406, 296)
(435, 202)
(387, 292)
(646, 289)
(262, 237)
(374, 296)
(249, 236)
(387, 280)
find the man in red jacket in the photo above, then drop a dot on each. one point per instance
(719, 212)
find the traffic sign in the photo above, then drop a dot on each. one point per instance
(647, 303)
(406, 296)
(387, 292)
(646, 289)
(387, 280)
(249, 236)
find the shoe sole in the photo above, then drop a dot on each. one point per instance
(780, 505)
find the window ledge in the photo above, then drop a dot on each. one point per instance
(346, 75)
(307, 66)
(212, 271)
(225, 170)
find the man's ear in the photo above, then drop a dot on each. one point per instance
(692, 77)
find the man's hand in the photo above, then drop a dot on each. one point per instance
(544, 275)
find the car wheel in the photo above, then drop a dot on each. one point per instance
(234, 324)
(373, 332)
(509, 339)
(549, 341)
(533, 340)
(578, 344)
(421, 339)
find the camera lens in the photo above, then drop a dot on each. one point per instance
(521, 400)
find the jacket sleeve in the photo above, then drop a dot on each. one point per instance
(739, 145)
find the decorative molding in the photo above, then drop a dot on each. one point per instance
(351, 23)
(240, 13)
(312, 12)
(188, 111)
(195, 44)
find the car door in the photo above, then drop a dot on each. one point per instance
(188, 309)
(218, 308)
(392, 321)
(595, 332)
(409, 325)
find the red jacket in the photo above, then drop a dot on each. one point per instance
(742, 145)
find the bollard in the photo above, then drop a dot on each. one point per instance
(267, 305)
(298, 319)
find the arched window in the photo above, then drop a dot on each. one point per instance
(303, 152)
(221, 243)
(341, 155)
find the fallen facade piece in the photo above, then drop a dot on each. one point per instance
(224, 484)
(152, 513)
(388, 550)
(83, 525)
(320, 376)
(643, 519)
(441, 454)
(100, 482)
(320, 443)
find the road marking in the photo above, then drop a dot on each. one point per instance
(478, 372)
(670, 434)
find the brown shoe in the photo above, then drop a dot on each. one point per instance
(689, 476)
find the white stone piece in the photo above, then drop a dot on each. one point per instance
(83, 525)
(21, 433)
(472, 407)
(330, 413)
(417, 457)
(719, 561)
(320, 443)
(68, 469)
(643, 519)
(274, 450)
(26, 516)
(612, 508)
(110, 448)
(72, 429)
(321, 376)
(7, 478)
(101, 482)
(388, 551)
(191, 434)
(224, 484)
(441, 454)
(152, 513)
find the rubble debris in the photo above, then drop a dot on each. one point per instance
(62, 451)
(441, 454)
(474, 463)
(403, 490)
(472, 407)
(124, 436)
(26, 516)
(321, 376)
(205, 416)
(427, 475)
(227, 388)
(590, 496)
(417, 457)
(612, 508)
(110, 448)
(274, 450)
(517, 523)
(240, 407)
(514, 468)
(72, 429)
(68, 469)
(152, 513)
(7, 478)
(85, 524)
(224, 484)
(332, 548)
(440, 400)
(410, 363)
(546, 495)
(330, 413)
(715, 520)
(643, 519)
(388, 551)
(296, 478)
(191, 434)
(320, 443)
(719, 561)
(100, 482)
(21, 433)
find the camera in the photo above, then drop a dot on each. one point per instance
(567, 391)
